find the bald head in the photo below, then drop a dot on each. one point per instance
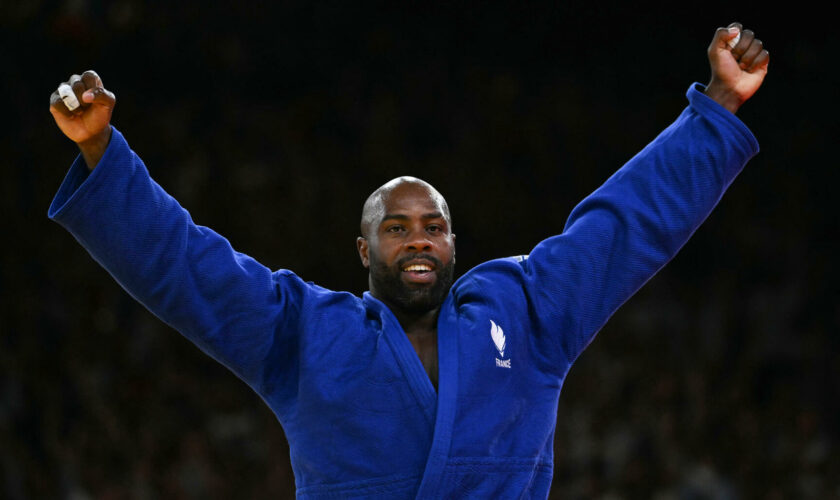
(376, 205)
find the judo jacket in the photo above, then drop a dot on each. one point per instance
(361, 416)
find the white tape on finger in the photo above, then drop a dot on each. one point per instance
(732, 43)
(68, 96)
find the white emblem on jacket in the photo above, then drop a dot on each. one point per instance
(498, 336)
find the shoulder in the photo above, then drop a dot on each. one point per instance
(497, 276)
(309, 294)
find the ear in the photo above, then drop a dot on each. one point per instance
(362, 247)
(453, 248)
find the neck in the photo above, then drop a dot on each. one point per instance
(413, 323)
(421, 330)
(417, 324)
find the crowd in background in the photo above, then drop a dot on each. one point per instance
(272, 124)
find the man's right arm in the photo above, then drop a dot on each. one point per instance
(231, 306)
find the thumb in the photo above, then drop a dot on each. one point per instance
(731, 34)
(99, 96)
(723, 36)
(720, 50)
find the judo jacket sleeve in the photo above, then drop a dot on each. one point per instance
(232, 307)
(618, 237)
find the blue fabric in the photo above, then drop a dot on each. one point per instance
(360, 414)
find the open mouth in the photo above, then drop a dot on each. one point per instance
(420, 272)
(418, 268)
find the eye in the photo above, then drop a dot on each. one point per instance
(434, 229)
(393, 229)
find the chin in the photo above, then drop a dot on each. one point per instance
(422, 302)
(412, 298)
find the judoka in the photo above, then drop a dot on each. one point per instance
(425, 387)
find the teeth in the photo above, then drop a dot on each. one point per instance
(418, 267)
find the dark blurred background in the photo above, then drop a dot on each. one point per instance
(272, 122)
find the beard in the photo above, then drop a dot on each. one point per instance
(412, 298)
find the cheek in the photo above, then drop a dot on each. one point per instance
(449, 251)
(377, 257)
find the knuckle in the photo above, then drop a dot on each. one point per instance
(90, 78)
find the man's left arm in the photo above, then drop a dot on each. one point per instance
(622, 234)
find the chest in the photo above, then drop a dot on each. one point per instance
(425, 345)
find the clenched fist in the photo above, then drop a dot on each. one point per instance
(88, 125)
(737, 72)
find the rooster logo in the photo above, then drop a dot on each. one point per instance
(498, 337)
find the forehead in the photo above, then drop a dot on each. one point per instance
(411, 197)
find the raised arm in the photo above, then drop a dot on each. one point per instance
(623, 233)
(231, 306)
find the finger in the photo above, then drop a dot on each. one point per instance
(737, 27)
(96, 92)
(91, 79)
(78, 87)
(736, 24)
(760, 62)
(752, 52)
(65, 92)
(100, 96)
(740, 49)
(723, 36)
(57, 105)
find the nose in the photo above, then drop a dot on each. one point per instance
(418, 241)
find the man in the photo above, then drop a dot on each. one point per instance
(422, 388)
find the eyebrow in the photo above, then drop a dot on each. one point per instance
(431, 215)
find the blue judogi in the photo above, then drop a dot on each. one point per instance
(362, 417)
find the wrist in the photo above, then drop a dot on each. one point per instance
(724, 96)
(94, 148)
